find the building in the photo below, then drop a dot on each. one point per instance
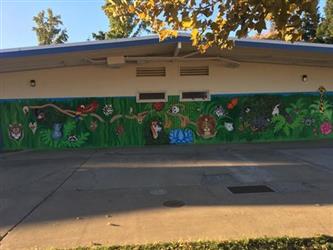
(138, 91)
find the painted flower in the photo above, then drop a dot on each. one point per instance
(229, 126)
(219, 111)
(108, 109)
(308, 121)
(326, 128)
(181, 136)
(158, 106)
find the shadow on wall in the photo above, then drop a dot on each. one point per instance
(121, 121)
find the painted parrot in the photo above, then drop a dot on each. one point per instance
(86, 109)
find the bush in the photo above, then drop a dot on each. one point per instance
(316, 243)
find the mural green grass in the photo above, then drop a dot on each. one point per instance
(121, 121)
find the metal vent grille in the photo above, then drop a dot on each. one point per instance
(150, 71)
(194, 70)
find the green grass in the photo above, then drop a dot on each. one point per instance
(322, 242)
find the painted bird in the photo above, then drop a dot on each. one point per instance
(86, 109)
(276, 110)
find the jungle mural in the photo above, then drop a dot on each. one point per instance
(121, 121)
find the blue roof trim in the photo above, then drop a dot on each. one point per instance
(89, 47)
(64, 99)
(318, 48)
(124, 43)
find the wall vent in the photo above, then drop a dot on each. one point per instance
(194, 70)
(151, 97)
(150, 71)
(195, 96)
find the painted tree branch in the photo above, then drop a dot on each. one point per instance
(116, 117)
(49, 105)
(139, 117)
(97, 117)
(185, 120)
(70, 113)
(84, 115)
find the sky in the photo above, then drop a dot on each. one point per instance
(80, 17)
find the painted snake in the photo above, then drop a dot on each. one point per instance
(322, 92)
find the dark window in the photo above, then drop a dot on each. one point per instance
(151, 96)
(195, 95)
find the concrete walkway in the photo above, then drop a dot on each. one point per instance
(115, 196)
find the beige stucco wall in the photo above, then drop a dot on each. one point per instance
(105, 81)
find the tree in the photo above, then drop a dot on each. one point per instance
(308, 28)
(325, 30)
(212, 21)
(270, 34)
(126, 27)
(100, 35)
(48, 28)
(310, 24)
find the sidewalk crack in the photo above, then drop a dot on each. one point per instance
(2, 237)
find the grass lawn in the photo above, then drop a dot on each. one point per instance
(322, 242)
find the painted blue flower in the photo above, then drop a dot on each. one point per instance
(181, 136)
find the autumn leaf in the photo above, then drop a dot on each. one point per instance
(187, 23)
(131, 9)
(167, 33)
(211, 22)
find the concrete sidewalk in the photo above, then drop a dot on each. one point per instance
(115, 196)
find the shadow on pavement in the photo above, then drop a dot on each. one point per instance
(53, 186)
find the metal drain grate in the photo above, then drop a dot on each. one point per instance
(174, 203)
(250, 189)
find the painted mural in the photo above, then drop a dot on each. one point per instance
(121, 121)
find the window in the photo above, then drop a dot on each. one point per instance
(195, 96)
(151, 97)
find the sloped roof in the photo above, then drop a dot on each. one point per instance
(246, 50)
